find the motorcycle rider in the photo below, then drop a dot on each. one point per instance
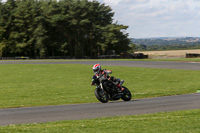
(104, 75)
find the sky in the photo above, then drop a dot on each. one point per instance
(157, 18)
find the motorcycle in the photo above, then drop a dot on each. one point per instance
(106, 90)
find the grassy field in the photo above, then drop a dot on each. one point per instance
(71, 60)
(178, 60)
(170, 122)
(169, 54)
(25, 85)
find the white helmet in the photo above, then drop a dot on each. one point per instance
(96, 68)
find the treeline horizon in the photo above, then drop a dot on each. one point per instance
(76, 28)
(166, 44)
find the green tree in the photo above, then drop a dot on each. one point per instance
(76, 28)
(132, 48)
(115, 38)
(7, 45)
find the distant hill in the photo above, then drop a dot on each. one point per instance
(167, 40)
(167, 43)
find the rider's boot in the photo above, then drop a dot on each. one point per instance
(119, 85)
(121, 82)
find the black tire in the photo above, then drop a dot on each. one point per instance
(126, 94)
(101, 95)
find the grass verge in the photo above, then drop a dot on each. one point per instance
(25, 85)
(170, 122)
(73, 60)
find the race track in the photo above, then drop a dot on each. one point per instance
(94, 110)
(145, 64)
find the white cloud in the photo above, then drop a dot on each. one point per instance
(112, 2)
(151, 18)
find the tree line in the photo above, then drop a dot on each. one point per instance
(75, 28)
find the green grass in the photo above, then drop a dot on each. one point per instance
(38, 85)
(178, 59)
(170, 122)
(25, 85)
(71, 60)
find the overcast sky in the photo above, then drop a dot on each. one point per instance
(157, 18)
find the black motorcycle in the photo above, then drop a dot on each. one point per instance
(107, 90)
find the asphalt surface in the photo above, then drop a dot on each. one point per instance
(94, 110)
(144, 64)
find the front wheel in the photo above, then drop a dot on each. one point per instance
(126, 96)
(101, 95)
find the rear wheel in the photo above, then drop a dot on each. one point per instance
(126, 96)
(101, 95)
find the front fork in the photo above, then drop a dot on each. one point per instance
(100, 87)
